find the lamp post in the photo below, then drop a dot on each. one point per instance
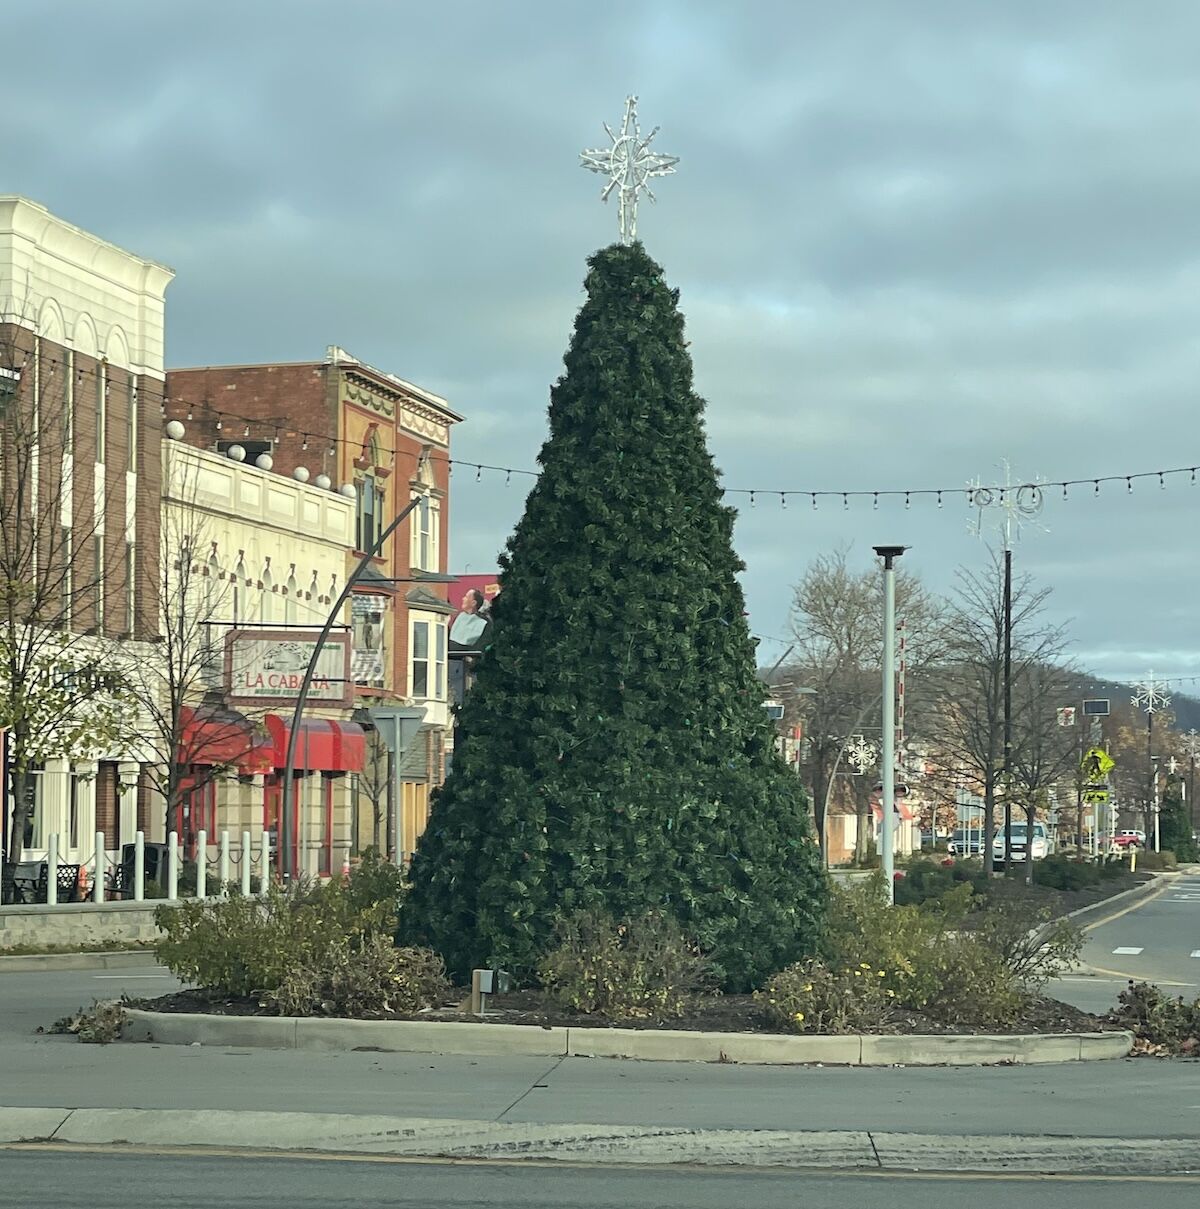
(1150, 695)
(287, 806)
(889, 554)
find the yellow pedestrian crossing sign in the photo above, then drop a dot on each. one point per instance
(1096, 796)
(1096, 764)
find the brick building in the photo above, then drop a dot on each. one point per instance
(81, 350)
(347, 427)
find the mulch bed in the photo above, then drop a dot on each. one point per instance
(713, 1013)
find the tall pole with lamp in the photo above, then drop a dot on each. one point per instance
(1018, 503)
(1150, 695)
(889, 554)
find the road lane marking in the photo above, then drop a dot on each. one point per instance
(1128, 950)
(1196, 952)
(1162, 982)
(129, 977)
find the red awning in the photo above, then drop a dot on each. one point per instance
(225, 737)
(321, 744)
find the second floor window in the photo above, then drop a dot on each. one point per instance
(370, 512)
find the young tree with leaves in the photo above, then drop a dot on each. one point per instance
(614, 752)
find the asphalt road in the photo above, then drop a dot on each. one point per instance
(1155, 940)
(55, 1176)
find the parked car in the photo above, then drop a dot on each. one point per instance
(1129, 838)
(966, 842)
(1017, 832)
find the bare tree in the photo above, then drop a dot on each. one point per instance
(1044, 752)
(61, 693)
(971, 689)
(836, 621)
(193, 737)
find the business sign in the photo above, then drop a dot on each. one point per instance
(1096, 707)
(266, 667)
(1066, 715)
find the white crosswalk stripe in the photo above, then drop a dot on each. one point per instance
(1127, 951)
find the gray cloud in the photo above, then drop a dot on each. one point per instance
(910, 238)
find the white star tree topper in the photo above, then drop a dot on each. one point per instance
(629, 164)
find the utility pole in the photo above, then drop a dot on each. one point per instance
(889, 554)
(1008, 704)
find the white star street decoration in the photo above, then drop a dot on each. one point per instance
(1150, 695)
(629, 164)
(1172, 766)
(861, 753)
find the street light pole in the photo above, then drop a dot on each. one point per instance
(1150, 695)
(287, 806)
(889, 554)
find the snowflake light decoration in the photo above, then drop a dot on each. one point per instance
(1013, 505)
(1172, 766)
(629, 164)
(861, 753)
(1150, 695)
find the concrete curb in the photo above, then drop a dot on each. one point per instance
(414, 1137)
(653, 1045)
(1154, 886)
(110, 959)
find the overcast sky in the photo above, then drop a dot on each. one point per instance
(913, 237)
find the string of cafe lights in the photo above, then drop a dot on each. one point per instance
(226, 423)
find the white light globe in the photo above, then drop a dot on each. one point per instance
(236, 453)
(323, 481)
(300, 474)
(264, 461)
(175, 430)
(349, 491)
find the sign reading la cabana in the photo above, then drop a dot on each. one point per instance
(267, 667)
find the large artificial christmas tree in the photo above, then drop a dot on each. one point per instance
(614, 751)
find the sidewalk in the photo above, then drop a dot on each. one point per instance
(596, 1144)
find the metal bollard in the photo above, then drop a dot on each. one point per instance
(264, 871)
(245, 864)
(139, 866)
(52, 869)
(173, 865)
(223, 865)
(201, 864)
(98, 881)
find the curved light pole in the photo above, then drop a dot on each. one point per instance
(287, 805)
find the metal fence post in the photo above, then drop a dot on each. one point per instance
(245, 864)
(139, 866)
(98, 880)
(223, 865)
(201, 864)
(52, 869)
(172, 864)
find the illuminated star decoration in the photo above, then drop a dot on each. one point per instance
(629, 164)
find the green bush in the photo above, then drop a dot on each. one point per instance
(376, 979)
(812, 997)
(376, 880)
(301, 946)
(925, 879)
(643, 968)
(1061, 873)
(945, 959)
(1158, 1019)
(1157, 860)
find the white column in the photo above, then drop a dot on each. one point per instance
(101, 869)
(173, 864)
(52, 868)
(223, 864)
(139, 866)
(245, 867)
(202, 864)
(127, 773)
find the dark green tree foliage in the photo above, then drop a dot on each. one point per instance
(1175, 822)
(614, 752)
